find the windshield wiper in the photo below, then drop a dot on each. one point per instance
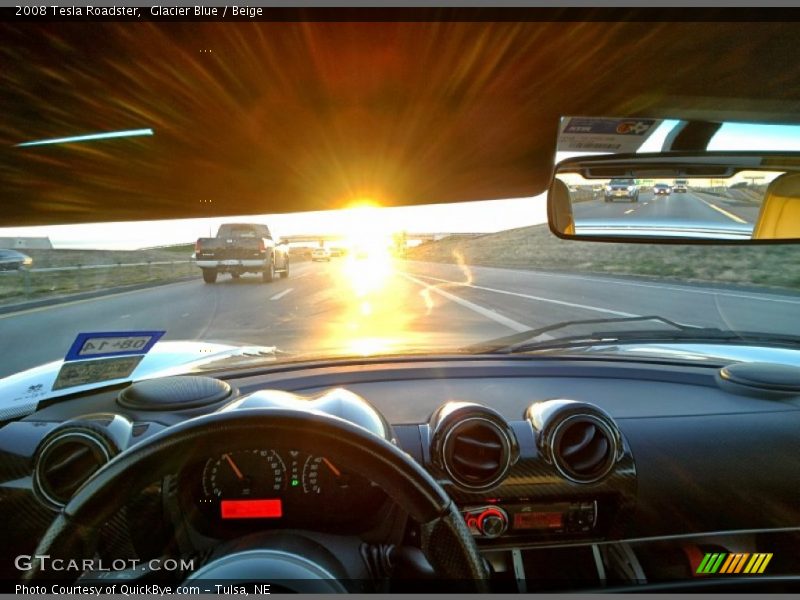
(527, 340)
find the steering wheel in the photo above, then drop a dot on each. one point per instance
(445, 540)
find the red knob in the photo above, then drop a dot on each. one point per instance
(492, 522)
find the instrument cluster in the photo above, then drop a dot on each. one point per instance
(276, 488)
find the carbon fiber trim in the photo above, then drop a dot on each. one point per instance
(534, 478)
(450, 557)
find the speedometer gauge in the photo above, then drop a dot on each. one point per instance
(244, 474)
(321, 475)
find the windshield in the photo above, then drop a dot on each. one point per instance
(360, 279)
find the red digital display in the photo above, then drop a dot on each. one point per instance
(538, 520)
(252, 509)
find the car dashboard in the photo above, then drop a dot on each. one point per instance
(570, 472)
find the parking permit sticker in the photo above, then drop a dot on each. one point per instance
(84, 372)
(112, 343)
(600, 134)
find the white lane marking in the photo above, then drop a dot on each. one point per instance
(28, 311)
(655, 286)
(484, 312)
(538, 298)
(184, 315)
(281, 295)
(298, 276)
(645, 204)
(629, 211)
(125, 317)
(674, 288)
(722, 211)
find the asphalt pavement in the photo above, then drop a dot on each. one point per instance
(685, 207)
(376, 305)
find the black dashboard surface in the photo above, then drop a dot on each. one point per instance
(412, 401)
(407, 392)
(706, 459)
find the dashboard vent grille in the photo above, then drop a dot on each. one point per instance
(583, 448)
(65, 462)
(476, 453)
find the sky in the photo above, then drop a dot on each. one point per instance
(469, 217)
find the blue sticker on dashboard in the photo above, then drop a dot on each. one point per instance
(112, 343)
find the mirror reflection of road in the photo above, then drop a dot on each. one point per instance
(382, 305)
(687, 207)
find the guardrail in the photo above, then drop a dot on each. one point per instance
(151, 271)
(111, 266)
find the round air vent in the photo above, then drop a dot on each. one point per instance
(71, 453)
(472, 444)
(579, 439)
(65, 462)
(476, 453)
(583, 448)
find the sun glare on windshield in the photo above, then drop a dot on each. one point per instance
(368, 237)
(374, 321)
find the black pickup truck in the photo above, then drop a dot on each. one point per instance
(241, 248)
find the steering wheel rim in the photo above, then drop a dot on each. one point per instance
(446, 541)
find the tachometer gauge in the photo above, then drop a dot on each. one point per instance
(321, 475)
(244, 474)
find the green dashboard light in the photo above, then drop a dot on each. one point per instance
(295, 483)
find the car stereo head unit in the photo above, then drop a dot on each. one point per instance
(493, 520)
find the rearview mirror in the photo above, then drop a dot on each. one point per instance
(677, 197)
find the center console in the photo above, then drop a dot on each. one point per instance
(562, 474)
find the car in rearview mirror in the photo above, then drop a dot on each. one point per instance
(726, 197)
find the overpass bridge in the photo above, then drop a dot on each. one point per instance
(399, 238)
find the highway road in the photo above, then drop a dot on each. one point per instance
(366, 306)
(688, 207)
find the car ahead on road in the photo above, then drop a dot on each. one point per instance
(321, 255)
(12, 260)
(622, 189)
(662, 189)
(681, 186)
(241, 248)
